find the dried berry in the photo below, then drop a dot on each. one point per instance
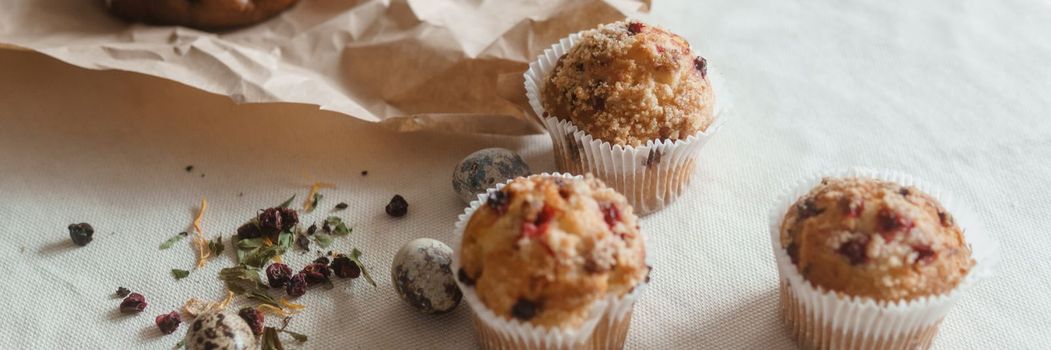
(364, 173)
(499, 201)
(254, 319)
(316, 273)
(122, 292)
(397, 207)
(635, 27)
(270, 221)
(312, 229)
(297, 285)
(808, 209)
(611, 213)
(464, 278)
(248, 231)
(289, 218)
(81, 233)
(924, 253)
(889, 223)
(341, 206)
(539, 225)
(854, 250)
(343, 267)
(702, 66)
(134, 303)
(169, 322)
(278, 274)
(189, 168)
(524, 309)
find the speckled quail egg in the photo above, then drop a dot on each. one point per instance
(422, 276)
(484, 169)
(219, 330)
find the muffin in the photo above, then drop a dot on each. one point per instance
(628, 83)
(628, 102)
(200, 14)
(555, 255)
(852, 243)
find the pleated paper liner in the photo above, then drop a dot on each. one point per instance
(605, 328)
(820, 319)
(651, 176)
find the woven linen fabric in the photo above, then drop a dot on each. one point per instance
(951, 92)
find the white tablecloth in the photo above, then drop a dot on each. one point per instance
(953, 92)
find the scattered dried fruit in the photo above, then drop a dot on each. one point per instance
(81, 233)
(169, 322)
(254, 319)
(134, 303)
(278, 275)
(397, 207)
(297, 285)
(316, 273)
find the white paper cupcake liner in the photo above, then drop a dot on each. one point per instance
(651, 176)
(605, 328)
(823, 319)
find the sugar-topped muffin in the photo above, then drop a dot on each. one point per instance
(876, 239)
(628, 83)
(544, 248)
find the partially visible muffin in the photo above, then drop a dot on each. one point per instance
(628, 82)
(200, 14)
(543, 249)
(875, 239)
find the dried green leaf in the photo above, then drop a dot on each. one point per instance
(355, 256)
(241, 279)
(171, 241)
(323, 239)
(339, 228)
(287, 202)
(216, 246)
(180, 274)
(253, 252)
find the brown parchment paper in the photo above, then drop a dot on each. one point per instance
(408, 64)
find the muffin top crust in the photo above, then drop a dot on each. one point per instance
(543, 249)
(628, 82)
(875, 239)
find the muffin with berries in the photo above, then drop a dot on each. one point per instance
(860, 241)
(626, 87)
(551, 254)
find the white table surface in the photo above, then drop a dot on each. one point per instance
(953, 92)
